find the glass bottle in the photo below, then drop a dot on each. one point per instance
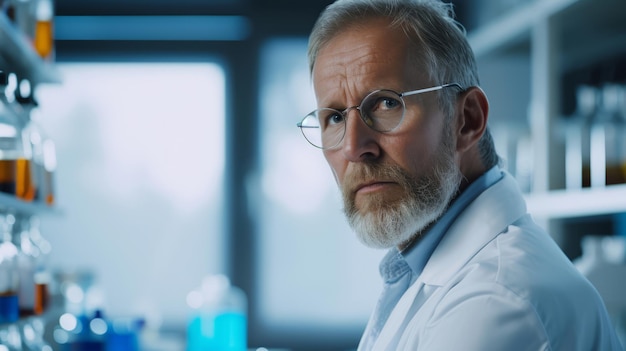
(25, 99)
(614, 96)
(23, 17)
(44, 20)
(42, 277)
(43, 156)
(577, 150)
(9, 284)
(16, 176)
(8, 132)
(26, 262)
(80, 325)
(36, 249)
(608, 154)
(218, 320)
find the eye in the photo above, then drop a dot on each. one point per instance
(330, 118)
(387, 103)
(381, 103)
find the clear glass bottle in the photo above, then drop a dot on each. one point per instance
(23, 17)
(42, 276)
(43, 156)
(608, 153)
(16, 175)
(577, 129)
(26, 264)
(32, 292)
(11, 147)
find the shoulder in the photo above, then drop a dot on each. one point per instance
(519, 289)
(485, 316)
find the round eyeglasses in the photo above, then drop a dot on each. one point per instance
(382, 110)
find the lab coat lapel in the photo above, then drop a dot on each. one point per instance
(486, 217)
(480, 222)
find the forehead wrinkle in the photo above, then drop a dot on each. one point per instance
(354, 72)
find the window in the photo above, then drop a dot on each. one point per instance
(312, 272)
(139, 182)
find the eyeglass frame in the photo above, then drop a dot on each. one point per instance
(358, 107)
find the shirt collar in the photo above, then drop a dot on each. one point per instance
(417, 255)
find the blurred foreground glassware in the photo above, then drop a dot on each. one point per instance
(9, 285)
(78, 323)
(33, 283)
(218, 320)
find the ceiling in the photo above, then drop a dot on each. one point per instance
(186, 7)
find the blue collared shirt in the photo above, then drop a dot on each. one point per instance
(400, 269)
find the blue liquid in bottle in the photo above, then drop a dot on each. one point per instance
(221, 332)
(220, 323)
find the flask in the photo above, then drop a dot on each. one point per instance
(219, 316)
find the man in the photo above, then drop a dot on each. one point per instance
(403, 125)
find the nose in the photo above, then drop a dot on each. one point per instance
(360, 142)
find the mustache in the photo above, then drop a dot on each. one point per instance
(358, 173)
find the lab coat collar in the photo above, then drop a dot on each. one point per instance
(487, 216)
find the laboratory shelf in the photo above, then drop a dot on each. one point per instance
(11, 204)
(550, 39)
(17, 53)
(583, 29)
(516, 26)
(578, 203)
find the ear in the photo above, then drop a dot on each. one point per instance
(472, 110)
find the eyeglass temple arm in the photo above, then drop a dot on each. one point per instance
(421, 91)
(300, 125)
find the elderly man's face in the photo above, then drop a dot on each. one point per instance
(393, 184)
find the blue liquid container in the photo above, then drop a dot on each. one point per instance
(222, 332)
(219, 319)
(9, 309)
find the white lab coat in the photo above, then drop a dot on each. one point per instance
(498, 282)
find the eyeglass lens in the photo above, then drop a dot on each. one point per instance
(381, 110)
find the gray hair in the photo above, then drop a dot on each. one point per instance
(438, 41)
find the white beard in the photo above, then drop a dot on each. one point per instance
(426, 200)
